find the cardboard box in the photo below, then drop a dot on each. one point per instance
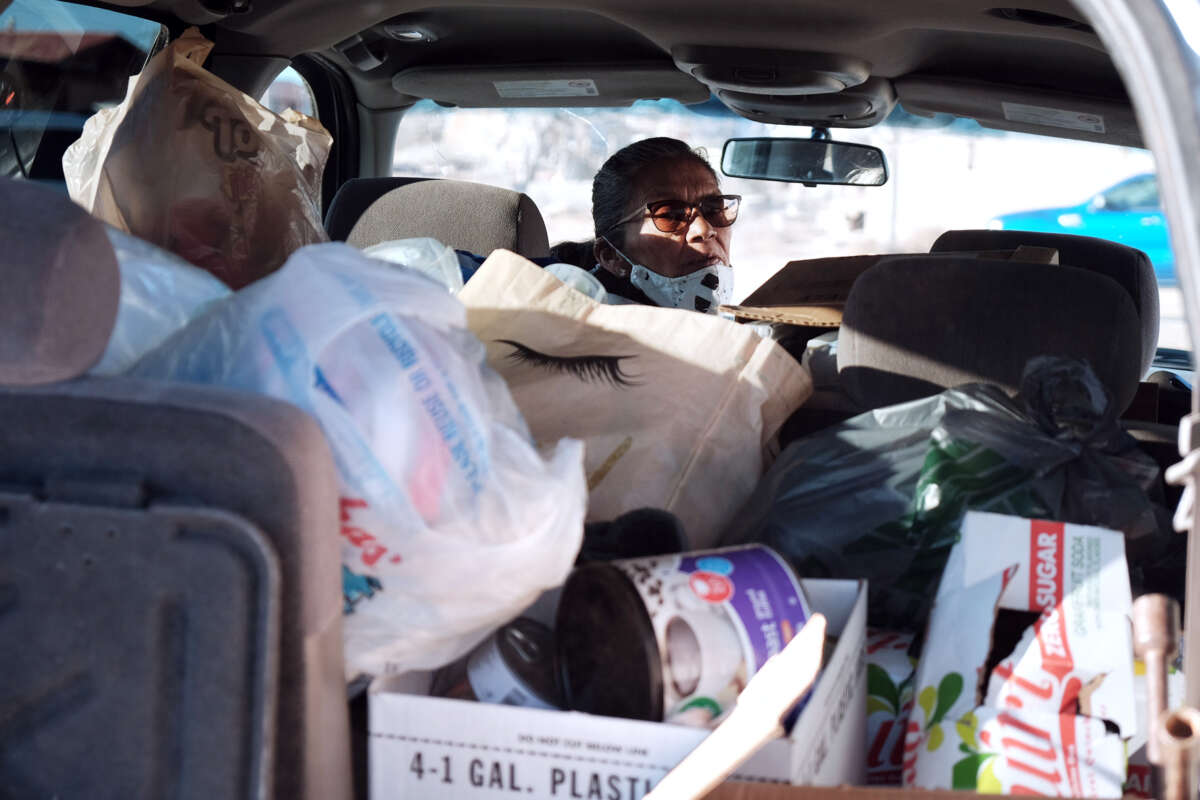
(811, 292)
(1024, 736)
(890, 675)
(431, 747)
(745, 791)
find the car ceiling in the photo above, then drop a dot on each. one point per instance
(966, 57)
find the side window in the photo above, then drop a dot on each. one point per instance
(1140, 193)
(59, 64)
(289, 90)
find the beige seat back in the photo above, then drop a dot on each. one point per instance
(465, 216)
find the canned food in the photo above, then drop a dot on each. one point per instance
(674, 637)
(514, 666)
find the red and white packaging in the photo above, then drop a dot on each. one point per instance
(1011, 752)
(1078, 658)
(890, 672)
(1040, 728)
(1054, 560)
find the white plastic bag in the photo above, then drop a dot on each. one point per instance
(428, 256)
(579, 279)
(452, 522)
(160, 293)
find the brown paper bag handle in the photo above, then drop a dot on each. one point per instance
(193, 46)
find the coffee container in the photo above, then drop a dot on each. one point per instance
(674, 637)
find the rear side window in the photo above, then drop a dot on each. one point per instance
(289, 90)
(59, 64)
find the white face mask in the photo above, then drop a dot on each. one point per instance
(703, 290)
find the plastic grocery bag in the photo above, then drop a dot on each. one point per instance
(190, 163)
(679, 410)
(160, 293)
(881, 496)
(428, 256)
(452, 522)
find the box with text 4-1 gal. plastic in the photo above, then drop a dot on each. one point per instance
(433, 747)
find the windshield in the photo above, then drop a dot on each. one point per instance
(59, 64)
(945, 174)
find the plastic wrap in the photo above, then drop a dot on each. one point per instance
(452, 522)
(428, 256)
(160, 293)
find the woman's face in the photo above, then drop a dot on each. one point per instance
(669, 254)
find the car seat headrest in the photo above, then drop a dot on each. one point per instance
(61, 286)
(914, 326)
(465, 216)
(1127, 266)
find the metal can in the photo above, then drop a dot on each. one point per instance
(514, 666)
(674, 637)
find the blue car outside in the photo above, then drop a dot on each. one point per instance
(1127, 212)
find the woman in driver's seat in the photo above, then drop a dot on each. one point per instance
(662, 227)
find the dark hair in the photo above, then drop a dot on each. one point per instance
(580, 254)
(613, 184)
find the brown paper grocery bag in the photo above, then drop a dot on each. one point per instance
(195, 166)
(678, 409)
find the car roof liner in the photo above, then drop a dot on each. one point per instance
(398, 51)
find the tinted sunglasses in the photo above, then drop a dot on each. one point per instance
(676, 216)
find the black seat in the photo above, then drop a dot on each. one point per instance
(1129, 267)
(915, 325)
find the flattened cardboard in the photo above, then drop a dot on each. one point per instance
(1035, 255)
(432, 747)
(809, 316)
(809, 292)
(813, 281)
(812, 292)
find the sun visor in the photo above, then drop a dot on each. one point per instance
(857, 107)
(1018, 108)
(770, 72)
(551, 85)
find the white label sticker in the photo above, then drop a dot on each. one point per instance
(580, 87)
(1053, 117)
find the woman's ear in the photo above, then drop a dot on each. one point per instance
(607, 258)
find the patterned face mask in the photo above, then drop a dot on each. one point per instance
(703, 290)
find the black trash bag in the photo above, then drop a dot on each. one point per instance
(640, 533)
(882, 495)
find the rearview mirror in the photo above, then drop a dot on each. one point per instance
(807, 161)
